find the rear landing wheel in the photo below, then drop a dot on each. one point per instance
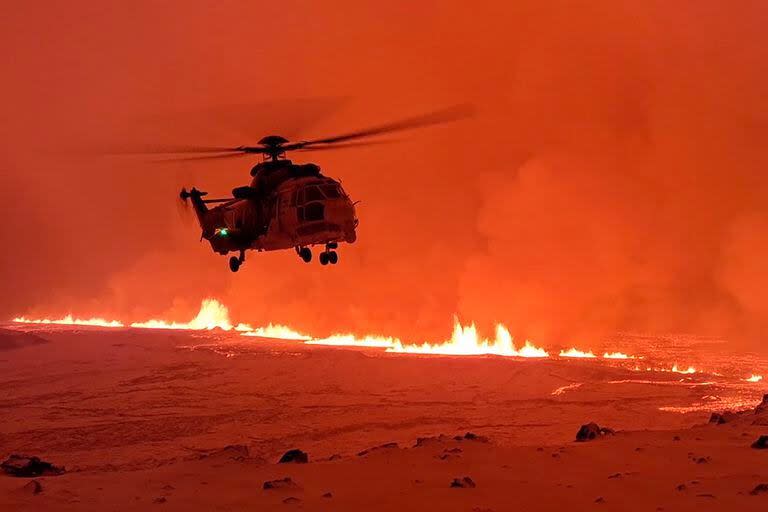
(324, 258)
(333, 258)
(234, 263)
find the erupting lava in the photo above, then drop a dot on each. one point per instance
(68, 320)
(272, 331)
(212, 314)
(464, 341)
(574, 352)
(688, 370)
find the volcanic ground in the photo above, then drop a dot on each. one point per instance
(188, 420)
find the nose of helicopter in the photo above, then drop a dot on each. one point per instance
(341, 212)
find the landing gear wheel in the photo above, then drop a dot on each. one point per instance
(324, 258)
(234, 263)
(305, 254)
(333, 258)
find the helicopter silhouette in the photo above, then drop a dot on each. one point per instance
(287, 205)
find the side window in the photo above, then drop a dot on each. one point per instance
(331, 192)
(314, 211)
(313, 194)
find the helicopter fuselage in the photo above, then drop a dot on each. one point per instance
(292, 211)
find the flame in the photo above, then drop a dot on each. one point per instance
(574, 352)
(272, 331)
(754, 378)
(690, 369)
(464, 341)
(213, 314)
(616, 355)
(68, 320)
(349, 340)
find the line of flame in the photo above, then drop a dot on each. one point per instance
(464, 341)
(69, 320)
(574, 352)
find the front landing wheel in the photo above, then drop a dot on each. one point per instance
(234, 263)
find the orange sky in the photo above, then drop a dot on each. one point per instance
(614, 177)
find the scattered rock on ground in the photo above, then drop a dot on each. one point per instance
(24, 466)
(160, 500)
(291, 499)
(600, 499)
(327, 495)
(762, 406)
(463, 483)
(761, 443)
(471, 436)
(282, 483)
(759, 489)
(720, 418)
(238, 452)
(592, 431)
(294, 456)
(386, 446)
(681, 487)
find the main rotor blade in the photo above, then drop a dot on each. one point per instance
(454, 113)
(321, 147)
(173, 150)
(207, 157)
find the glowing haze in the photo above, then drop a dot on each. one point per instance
(613, 179)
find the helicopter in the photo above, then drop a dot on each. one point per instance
(286, 205)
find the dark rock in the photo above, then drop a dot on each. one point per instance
(291, 499)
(706, 496)
(761, 443)
(32, 487)
(759, 489)
(327, 495)
(294, 456)
(335, 456)
(282, 483)
(386, 446)
(463, 483)
(600, 499)
(24, 467)
(762, 406)
(160, 500)
(681, 487)
(676, 438)
(720, 418)
(701, 460)
(615, 475)
(471, 436)
(592, 431)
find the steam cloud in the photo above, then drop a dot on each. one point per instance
(615, 177)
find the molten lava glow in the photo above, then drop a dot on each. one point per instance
(690, 369)
(213, 314)
(616, 355)
(465, 341)
(272, 331)
(576, 353)
(754, 378)
(349, 340)
(68, 320)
